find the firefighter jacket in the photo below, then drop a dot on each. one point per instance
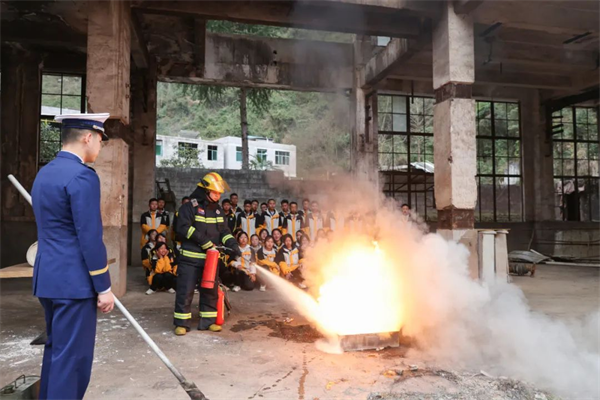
(266, 258)
(201, 224)
(288, 259)
(292, 224)
(248, 223)
(71, 260)
(174, 236)
(165, 265)
(270, 221)
(246, 262)
(312, 224)
(152, 220)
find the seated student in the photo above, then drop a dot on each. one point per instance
(262, 236)
(321, 236)
(229, 215)
(277, 235)
(300, 235)
(164, 270)
(303, 248)
(247, 221)
(329, 236)
(292, 222)
(313, 221)
(263, 208)
(245, 268)
(255, 243)
(288, 259)
(147, 250)
(266, 259)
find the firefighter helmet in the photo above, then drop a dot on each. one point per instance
(214, 182)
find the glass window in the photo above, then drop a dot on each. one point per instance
(405, 143)
(212, 152)
(282, 157)
(498, 162)
(575, 163)
(238, 154)
(61, 94)
(159, 147)
(261, 155)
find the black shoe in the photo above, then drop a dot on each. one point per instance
(41, 339)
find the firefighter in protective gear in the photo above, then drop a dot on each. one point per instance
(201, 226)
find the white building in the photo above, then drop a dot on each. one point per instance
(226, 152)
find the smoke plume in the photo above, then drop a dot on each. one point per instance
(453, 319)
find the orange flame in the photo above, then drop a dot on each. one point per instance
(359, 293)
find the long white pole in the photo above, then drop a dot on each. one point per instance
(190, 388)
(20, 188)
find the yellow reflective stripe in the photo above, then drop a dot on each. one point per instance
(226, 238)
(192, 254)
(208, 245)
(200, 218)
(190, 232)
(220, 219)
(211, 220)
(208, 314)
(183, 316)
(99, 271)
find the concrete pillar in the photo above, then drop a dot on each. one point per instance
(538, 174)
(364, 157)
(112, 166)
(454, 121)
(143, 124)
(108, 90)
(501, 254)
(487, 256)
(21, 86)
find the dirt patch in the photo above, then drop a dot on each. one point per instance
(281, 329)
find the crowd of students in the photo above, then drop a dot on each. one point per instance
(271, 238)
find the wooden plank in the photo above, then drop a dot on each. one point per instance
(17, 271)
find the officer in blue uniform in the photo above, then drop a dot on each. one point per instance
(71, 276)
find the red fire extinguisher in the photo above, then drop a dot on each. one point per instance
(221, 307)
(210, 269)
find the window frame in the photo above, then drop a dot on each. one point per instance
(282, 155)
(159, 145)
(494, 137)
(259, 153)
(414, 176)
(212, 150)
(575, 140)
(45, 118)
(240, 152)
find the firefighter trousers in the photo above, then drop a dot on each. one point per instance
(189, 274)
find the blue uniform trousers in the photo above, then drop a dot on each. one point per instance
(69, 351)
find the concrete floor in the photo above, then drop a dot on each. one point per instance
(258, 355)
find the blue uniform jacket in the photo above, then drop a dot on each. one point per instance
(71, 258)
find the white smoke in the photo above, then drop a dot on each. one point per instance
(456, 320)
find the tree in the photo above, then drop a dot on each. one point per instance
(261, 164)
(185, 157)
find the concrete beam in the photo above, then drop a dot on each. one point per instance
(422, 72)
(264, 62)
(397, 51)
(538, 16)
(327, 16)
(429, 9)
(199, 42)
(466, 6)
(139, 48)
